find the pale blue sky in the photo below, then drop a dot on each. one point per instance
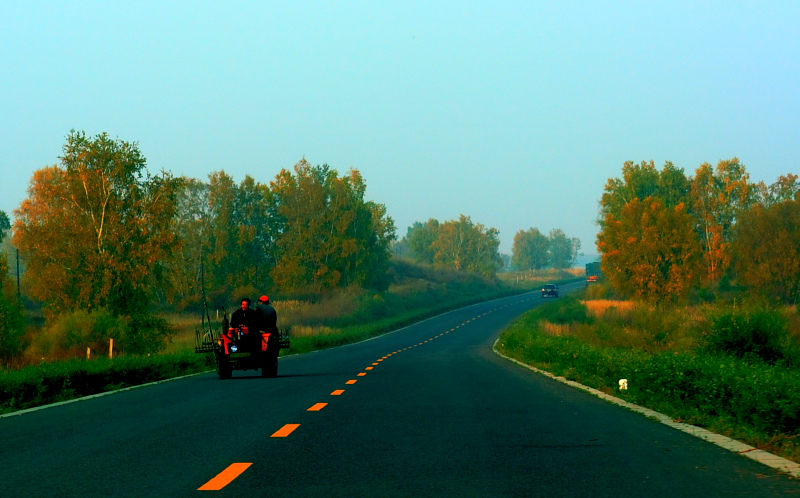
(515, 113)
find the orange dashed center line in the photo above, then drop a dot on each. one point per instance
(337, 392)
(375, 363)
(362, 374)
(225, 477)
(317, 407)
(369, 368)
(286, 430)
(351, 381)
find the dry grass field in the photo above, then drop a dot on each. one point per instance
(598, 307)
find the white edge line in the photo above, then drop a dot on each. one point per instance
(92, 396)
(84, 398)
(725, 442)
(421, 321)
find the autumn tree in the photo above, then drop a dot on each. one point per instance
(719, 196)
(766, 249)
(530, 250)
(650, 251)
(466, 246)
(784, 189)
(96, 229)
(641, 257)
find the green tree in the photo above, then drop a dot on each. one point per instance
(561, 250)
(12, 326)
(420, 239)
(229, 229)
(327, 235)
(643, 180)
(674, 188)
(12, 320)
(5, 225)
(530, 250)
(466, 246)
(193, 224)
(766, 249)
(96, 230)
(255, 234)
(638, 182)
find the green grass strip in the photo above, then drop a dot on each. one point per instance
(65, 380)
(756, 402)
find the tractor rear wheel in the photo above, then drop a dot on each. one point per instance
(269, 365)
(224, 369)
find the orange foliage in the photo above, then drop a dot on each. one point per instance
(650, 252)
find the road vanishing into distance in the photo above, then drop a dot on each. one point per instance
(426, 411)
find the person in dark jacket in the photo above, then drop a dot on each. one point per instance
(268, 316)
(245, 316)
(250, 318)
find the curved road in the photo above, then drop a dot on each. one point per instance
(428, 410)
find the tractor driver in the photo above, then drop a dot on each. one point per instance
(245, 317)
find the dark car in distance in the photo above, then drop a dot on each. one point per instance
(550, 290)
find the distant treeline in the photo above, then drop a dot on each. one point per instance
(462, 244)
(100, 234)
(666, 236)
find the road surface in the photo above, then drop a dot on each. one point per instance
(427, 410)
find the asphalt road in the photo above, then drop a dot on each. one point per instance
(428, 410)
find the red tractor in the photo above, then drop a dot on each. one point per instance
(242, 349)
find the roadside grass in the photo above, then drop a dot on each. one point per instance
(667, 358)
(64, 380)
(336, 319)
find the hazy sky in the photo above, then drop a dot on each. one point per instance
(514, 113)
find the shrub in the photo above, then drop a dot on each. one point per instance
(749, 332)
(58, 381)
(12, 328)
(565, 310)
(601, 290)
(147, 334)
(71, 333)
